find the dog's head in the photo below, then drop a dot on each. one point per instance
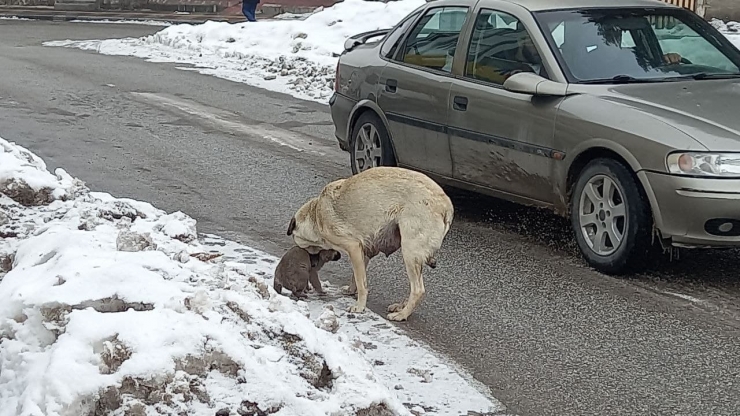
(303, 229)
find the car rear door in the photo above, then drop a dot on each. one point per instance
(499, 139)
(414, 89)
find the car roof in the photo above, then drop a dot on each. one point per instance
(542, 5)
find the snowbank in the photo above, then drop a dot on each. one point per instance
(125, 22)
(106, 306)
(295, 57)
(111, 305)
(731, 30)
(290, 56)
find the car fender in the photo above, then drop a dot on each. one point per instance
(372, 106)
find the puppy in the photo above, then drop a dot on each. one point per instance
(378, 211)
(297, 268)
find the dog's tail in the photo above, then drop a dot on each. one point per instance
(447, 218)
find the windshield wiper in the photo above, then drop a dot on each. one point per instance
(704, 75)
(623, 79)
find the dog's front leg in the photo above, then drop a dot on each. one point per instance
(351, 290)
(315, 282)
(357, 257)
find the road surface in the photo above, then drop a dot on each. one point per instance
(510, 300)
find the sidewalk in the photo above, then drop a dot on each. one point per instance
(48, 13)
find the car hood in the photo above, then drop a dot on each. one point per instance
(706, 110)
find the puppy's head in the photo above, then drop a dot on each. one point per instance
(302, 228)
(329, 255)
(322, 257)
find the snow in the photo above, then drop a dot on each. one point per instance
(296, 54)
(125, 22)
(296, 57)
(112, 304)
(15, 18)
(731, 30)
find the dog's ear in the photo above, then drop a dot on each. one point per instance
(291, 226)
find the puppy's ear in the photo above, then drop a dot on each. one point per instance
(291, 226)
(315, 258)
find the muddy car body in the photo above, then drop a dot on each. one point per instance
(620, 117)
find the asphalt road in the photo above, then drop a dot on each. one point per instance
(509, 301)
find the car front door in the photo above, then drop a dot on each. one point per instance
(414, 90)
(500, 139)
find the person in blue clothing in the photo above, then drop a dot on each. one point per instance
(249, 8)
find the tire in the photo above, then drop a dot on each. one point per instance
(380, 152)
(598, 230)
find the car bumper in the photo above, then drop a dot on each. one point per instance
(341, 107)
(691, 212)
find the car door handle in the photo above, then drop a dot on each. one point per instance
(460, 103)
(391, 85)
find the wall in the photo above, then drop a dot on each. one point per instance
(727, 10)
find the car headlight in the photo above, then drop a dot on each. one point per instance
(723, 165)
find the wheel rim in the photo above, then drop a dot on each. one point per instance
(368, 149)
(603, 215)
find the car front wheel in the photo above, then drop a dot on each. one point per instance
(611, 217)
(370, 144)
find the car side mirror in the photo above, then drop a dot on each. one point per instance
(533, 84)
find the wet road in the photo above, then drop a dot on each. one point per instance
(510, 300)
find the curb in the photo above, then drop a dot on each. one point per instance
(68, 18)
(57, 16)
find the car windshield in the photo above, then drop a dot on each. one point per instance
(637, 45)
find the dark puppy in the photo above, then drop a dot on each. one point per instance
(298, 268)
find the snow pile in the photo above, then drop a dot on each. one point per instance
(291, 56)
(125, 22)
(731, 30)
(111, 306)
(15, 18)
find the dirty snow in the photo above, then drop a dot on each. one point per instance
(294, 54)
(289, 56)
(114, 305)
(15, 18)
(125, 22)
(731, 30)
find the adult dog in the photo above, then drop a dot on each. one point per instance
(378, 211)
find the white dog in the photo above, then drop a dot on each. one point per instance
(378, 211)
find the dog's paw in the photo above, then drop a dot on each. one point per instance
(357, 308)
(397, 316)
(347, 292)
(396, 307)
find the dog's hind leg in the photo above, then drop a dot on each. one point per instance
(419, 242)
(357, 258)
(401, 311)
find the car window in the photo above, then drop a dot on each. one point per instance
(656, 44)
(500, 46)
(432, 42)
(677, 37)
(394, 37)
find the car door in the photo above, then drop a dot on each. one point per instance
(414, 89)
(499, 139)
